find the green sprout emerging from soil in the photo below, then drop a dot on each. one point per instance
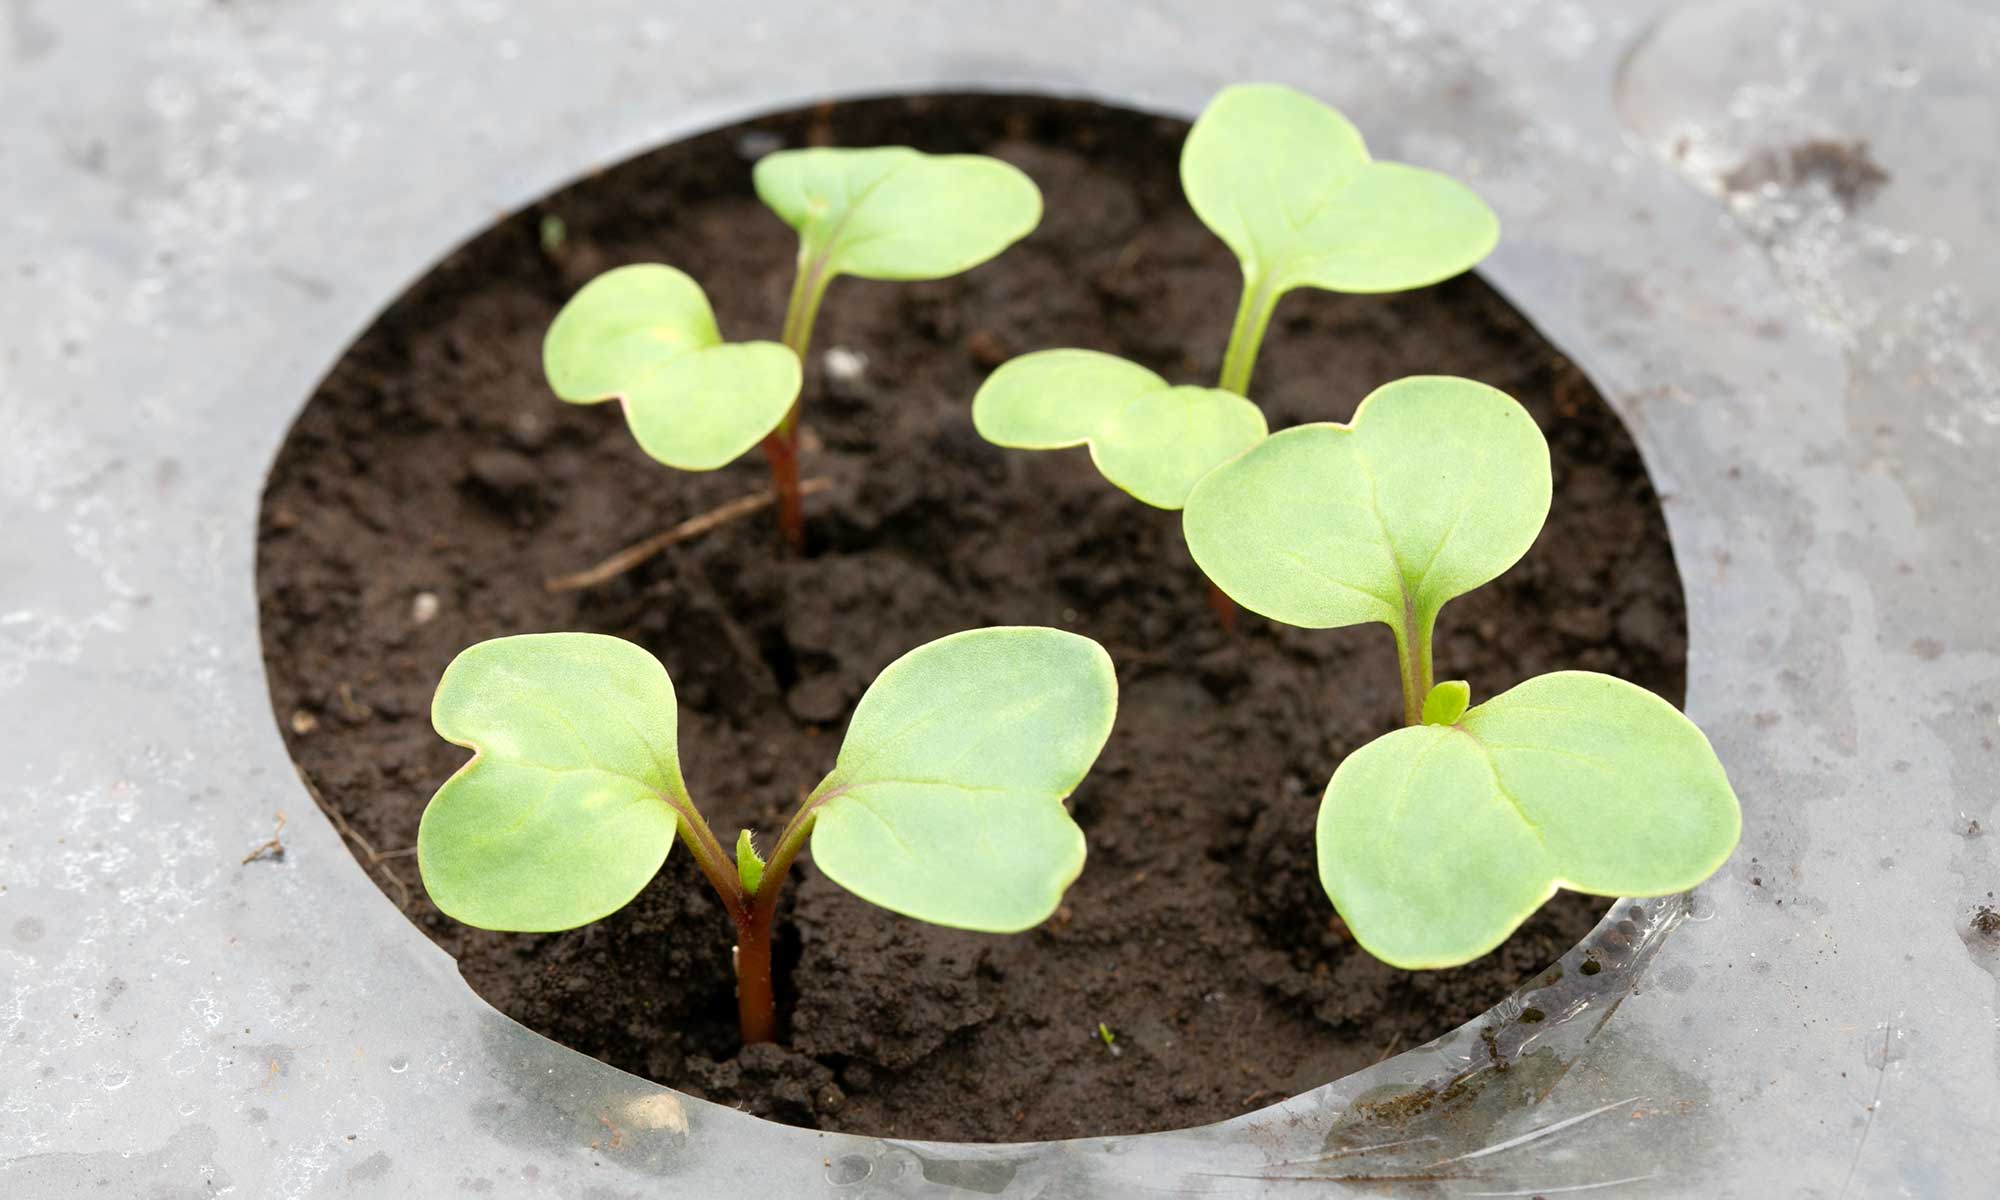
(1437, 840)
(644, 335)
(1290, 186)
(1287, 183)
(945, 802)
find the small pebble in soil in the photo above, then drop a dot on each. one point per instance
(528, 430)
(423, 608)
(844, 365)
(503, 476)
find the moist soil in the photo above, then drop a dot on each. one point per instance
(432, 484)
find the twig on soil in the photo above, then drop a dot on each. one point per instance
(374, 857)
(631, 556)
(274, 847)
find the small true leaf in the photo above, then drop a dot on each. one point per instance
(890, 212)
(560, 817)
(1288, 184)
(1436, 841)
(645, 335)
(749, 864)
(1146, 436)
(1437, 486)
(1446, 702)
(945, 803)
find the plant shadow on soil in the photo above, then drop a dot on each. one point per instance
(433, 483)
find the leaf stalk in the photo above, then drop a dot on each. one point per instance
(752, 913)
(1413, 658)
(781, 445)
(1246, 335)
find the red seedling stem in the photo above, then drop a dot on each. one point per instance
(781, 447)
(752, 913)
(1223, 607)
(781, 450)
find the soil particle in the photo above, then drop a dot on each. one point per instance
(432, 460)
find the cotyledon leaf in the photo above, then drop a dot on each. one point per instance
(562, 814)
(1438, 485)
(1146, 436)
(644, 335)
(1288, 184)
(891, 212)
(945, 803)
(1436, 841)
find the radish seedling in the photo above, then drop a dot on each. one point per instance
(944, 803)
(1436, 841)
(1287, 183)
(644, 335)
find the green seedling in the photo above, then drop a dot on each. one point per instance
(1287, 183)
(1109, 1039)
(945, 802)
(1436, 841)
(644, 335)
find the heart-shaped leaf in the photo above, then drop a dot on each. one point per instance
(1437, 841)
(1437, 486)
(1288, 184)
(946, 801)
(891, 212)
(644, 335)
(1146, 436)
(562, 815)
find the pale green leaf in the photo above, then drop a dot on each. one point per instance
(1287, 183)
(1149, 438)
(645, 335)
(1437, 486)
(945, 803)
(891, 212)
(1054, 399)
(561, 816)
(1437, 841)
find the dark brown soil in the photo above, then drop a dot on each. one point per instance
(433, 471)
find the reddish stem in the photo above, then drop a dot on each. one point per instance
(756, 1002)
(755, 1005)
(1223, 606)
(781, 450)
(754, 915)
